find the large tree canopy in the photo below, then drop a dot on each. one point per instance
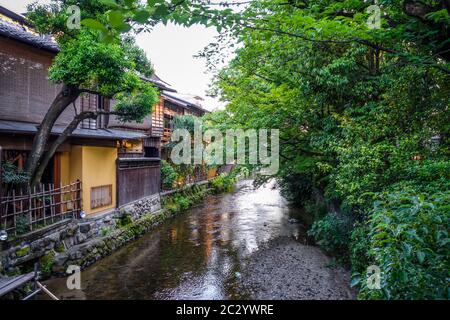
(364, 124)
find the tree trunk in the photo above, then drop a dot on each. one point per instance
(65, 97)
(52, 149)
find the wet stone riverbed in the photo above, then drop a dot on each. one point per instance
(240, 245)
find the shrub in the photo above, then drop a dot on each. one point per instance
(296, 188)
(46, 263)
(11, 174)
(105, 231)
(245, 172)
(223, 183)
(315, 209)
(332, 233)
(407, 237)
(124, 219)
(168, 175)
(22, 225)
(182, 200)
(359, 250)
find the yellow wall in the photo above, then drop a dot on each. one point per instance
(212, 173)
(99, 169)
(94, 166)
(76, 160)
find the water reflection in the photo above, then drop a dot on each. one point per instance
(194, 256)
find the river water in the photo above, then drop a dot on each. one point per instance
(196, 255)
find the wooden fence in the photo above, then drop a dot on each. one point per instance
(25, 211)
(137, 178)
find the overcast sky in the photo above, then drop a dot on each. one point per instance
(171, 49)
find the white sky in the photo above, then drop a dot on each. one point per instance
(171, 49)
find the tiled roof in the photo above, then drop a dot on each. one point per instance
(185, 100)
(30, 128)
(157, 81)
(19, 32)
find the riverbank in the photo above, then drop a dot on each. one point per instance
(285, 269)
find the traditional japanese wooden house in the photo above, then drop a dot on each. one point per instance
(117, 163)
(91, 153)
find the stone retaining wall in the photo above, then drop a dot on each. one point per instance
(68, 240)
(87, 253)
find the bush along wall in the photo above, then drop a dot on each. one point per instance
(223, 183)
(180, 200)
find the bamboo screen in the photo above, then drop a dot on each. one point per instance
(25, 90)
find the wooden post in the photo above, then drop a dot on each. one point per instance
(30, 207)
(43, 203)
(62, 198)
(78, 199)
(3, 208)
(21, 201)
(53, 201)
(1, 184)
(118, 183)
(6, 203)
(14, 212)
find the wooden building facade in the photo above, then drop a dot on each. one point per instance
(116, 162)
(91, 154)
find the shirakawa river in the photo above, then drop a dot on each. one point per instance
(240, 245)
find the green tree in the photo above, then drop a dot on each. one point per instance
(86, 65)
(361, 111)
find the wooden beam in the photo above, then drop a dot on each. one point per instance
(43, 288)
(12, 284)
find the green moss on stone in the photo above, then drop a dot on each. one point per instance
(22, 252)
(46, 263)
(60, 248)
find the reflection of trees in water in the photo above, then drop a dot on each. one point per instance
(193, 260)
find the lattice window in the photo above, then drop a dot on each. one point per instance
(101, 196)
(89, 103)
(92, 102)
(157, 120)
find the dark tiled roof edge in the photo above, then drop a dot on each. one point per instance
(19, 33)
(183, 102)
(9, 126)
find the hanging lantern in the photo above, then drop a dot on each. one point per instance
(3, 235)
(436, 139)
(435, 142)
